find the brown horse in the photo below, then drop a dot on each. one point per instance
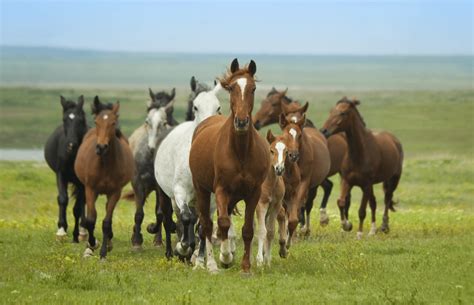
(337, 146)
(308, 149)
(229, 158)
(271, 202)
(371, 158)
(104, 164)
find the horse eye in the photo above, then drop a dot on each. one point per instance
(195, 108)
(253, 90)
(219, 110)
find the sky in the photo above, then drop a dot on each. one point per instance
(252, 27)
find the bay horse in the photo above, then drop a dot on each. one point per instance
(229, 158)
(147, 139)
(337, 146)
(60, 153)
(371, 158)
(277, 102)
(104, 164)
(271, 202)
(308, 149)
(172, 171)
(196, 88)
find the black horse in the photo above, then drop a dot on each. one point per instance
(60, 153)
(196, 88)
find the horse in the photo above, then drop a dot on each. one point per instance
(308, 149)
(196, 88)
(371, 158)
(337, 146)
(277, 102)
(104, 164)
(271, 202)
(172, 168)
(147, 138)
(60, 153)
(230, 159)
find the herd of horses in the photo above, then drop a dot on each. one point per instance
(211, 162)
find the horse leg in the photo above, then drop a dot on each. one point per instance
(191, 232)
(166, 206)
(323, 216)
(341, 202)
(293, 208)
(367, 193)
(62, 203)
(223, 221)
(199, 262)
(137, 237)
(270, 226)
(301, 217)
(89, 223)
(156, 228)
(306, 230)
(262, 208)
(182, 247)
(203, 205)
(107, 232)
(283, 232)
(373, 208)
(247, 229)
(78, 211)
(388, 187)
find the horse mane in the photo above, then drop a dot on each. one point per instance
(285, 98)
(227, 78)
(353, 103)
(70, 105)
(96, 109)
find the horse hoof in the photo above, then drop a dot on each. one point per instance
(137, 248)
(88, 253)
(246, 274)
(324, 221)
(110, 246)
(283, 253)
(226, 260)
(61, 234)
(97, 243)
(384, 229)
(359, 235)
(83, 234)
(347, 226)
(152, 228)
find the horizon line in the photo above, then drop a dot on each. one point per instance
(223, 53)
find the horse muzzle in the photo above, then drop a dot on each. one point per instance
(70, 147)
(101, 149)
(241, 125)
(294, 156)
(279, 170)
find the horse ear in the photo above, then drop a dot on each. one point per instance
(355, 101)
(304, 108)
(63, 101)
(270, 136)
(215, 83)
(95, 105)
(173, 93)
(282, 121)
(116, 107)
(301, 121)
(80, 101)
(193, 84)
(234, 66)
(252, 67)
(152, 95)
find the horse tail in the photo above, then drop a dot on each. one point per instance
(129, 196)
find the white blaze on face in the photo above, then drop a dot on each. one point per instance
(293, 133)
(242, 82)
(72, 116)
(105, 117)
(294, 119)
(280, 147)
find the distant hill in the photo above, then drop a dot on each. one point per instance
(54, 67)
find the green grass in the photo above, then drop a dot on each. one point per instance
(425, 259)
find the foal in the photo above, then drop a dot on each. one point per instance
(104, 164)
(271, 201)
(371, 158)
(308, 149)
(60, 153)
(229, 158)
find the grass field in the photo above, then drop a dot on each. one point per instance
(426, 259)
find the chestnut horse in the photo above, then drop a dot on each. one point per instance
(271, 201)
(104, 164)
(308, 149)
(371, 158)
(229, 158)
(337, 146)
(271, 107)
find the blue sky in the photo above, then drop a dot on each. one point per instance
(272, 27)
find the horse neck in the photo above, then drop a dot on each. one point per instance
(239, 143)
(290, 169)
(356, 138)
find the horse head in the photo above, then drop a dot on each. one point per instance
(206, 104)
(278, 151)
(292, 131)
(105, 122)
(341, 116)
(74, 122)
(240, 83)
(155, 123)
(270, 108)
